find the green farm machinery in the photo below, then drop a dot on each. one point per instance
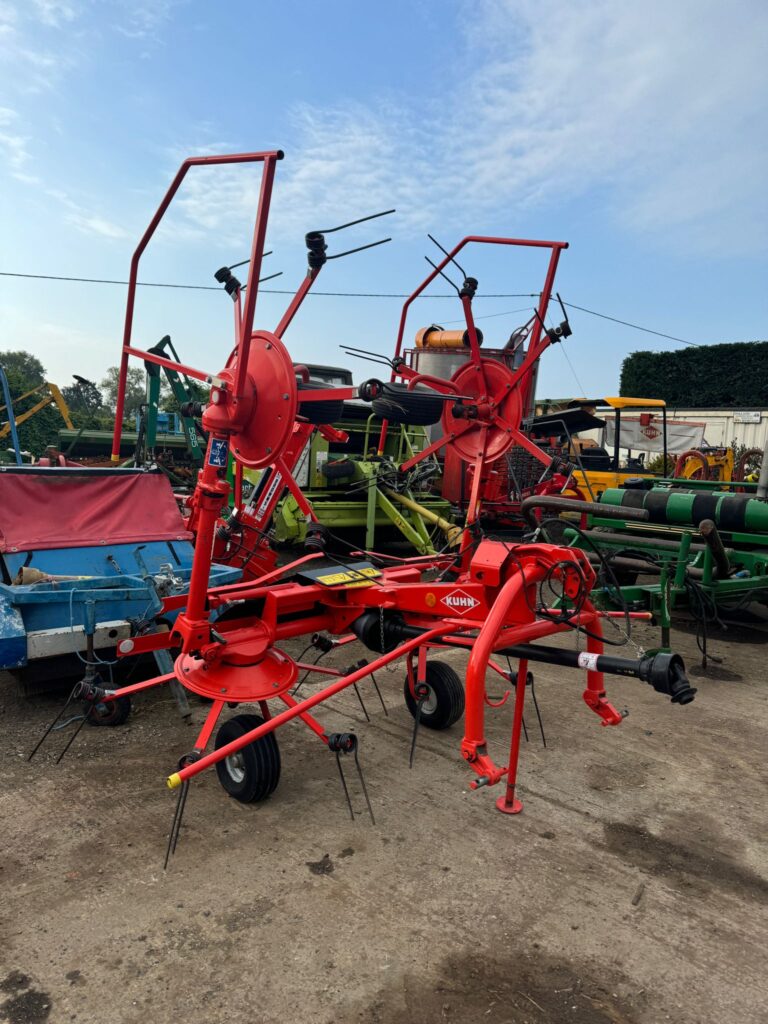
(352, 487)
(704, 547)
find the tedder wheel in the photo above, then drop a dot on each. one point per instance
(110, 712)
(749, 464)
(420, 407)
(330, 411)
(252, 774)
(444, 704)
(693, 455)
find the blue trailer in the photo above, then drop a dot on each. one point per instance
(85, 557)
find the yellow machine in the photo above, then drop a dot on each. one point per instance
(720, 463)
(52, 396)
(598, 468)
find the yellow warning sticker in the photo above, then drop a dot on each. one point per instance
(352, 578)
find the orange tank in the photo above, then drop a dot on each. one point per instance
(436, 337)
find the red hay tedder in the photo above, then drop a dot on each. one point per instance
(489, 597)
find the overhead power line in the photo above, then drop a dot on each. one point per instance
(625, 323)
(270, 291)
(348, 295)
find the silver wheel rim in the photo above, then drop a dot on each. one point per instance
(235, 767)
(429, 705)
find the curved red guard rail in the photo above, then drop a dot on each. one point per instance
(269, 160)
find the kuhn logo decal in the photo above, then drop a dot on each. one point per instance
(460, 602)
(650, 432)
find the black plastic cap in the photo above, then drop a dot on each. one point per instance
(666, 674)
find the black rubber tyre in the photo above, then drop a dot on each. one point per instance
(110, 712)
(252, 774)
(445, 704)
(420, 407)
(319, 412)
(339, 469)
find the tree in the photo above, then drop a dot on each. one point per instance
(704, 377)
(24, 366)
(83, 395)
(135, 389)
(41, 429)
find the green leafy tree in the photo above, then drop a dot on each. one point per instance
(705, 377)
(24, 366)
(42, 428)
(83, 396)
(135, 389)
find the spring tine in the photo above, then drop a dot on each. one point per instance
(538, 715)
(525, 729)
(362, 704)
(173, 835)
(183, 798)
(76, 733)
(48, 731)
(378, 691)
(344, 784)
(365, 788)
(416, 721)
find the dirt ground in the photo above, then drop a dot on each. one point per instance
(631, 890)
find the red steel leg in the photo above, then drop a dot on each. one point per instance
(509, 804)
(209, 725)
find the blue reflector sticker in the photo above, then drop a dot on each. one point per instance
(219, 453)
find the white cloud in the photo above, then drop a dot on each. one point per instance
(86, 221)
(54, 13)
(144, 19)
(92, 224)
(13, 144)
(657, 108)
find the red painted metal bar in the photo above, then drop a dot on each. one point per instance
(286, 716)
(537, 344)
(434, 447)
(195, 161)
(318, 669)
(296, 492)
(308, 720)
(169, 364)
(296, 301)
(508, 803)
(254, 271)
(557, 247)
(473, 746)
(145, 684)
(238, 496)
(209, 725)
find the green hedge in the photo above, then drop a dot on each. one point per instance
(707, 376)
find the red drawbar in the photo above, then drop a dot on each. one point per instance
(61, 508)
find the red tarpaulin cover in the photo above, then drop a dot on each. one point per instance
(72, 508)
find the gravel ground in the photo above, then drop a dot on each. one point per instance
(632, 889)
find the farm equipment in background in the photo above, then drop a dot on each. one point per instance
(85, 557)
(9, 427)
(487, 597)
(350, 486)
(703, 547)
(147, 452)
(51, 396)
(724, 464)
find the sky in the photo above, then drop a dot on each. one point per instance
(635, 131)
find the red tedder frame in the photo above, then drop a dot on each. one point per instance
(487, 599)
(492, 394)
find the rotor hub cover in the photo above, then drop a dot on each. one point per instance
(248, 670)
(489, 389)
(271, 396)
